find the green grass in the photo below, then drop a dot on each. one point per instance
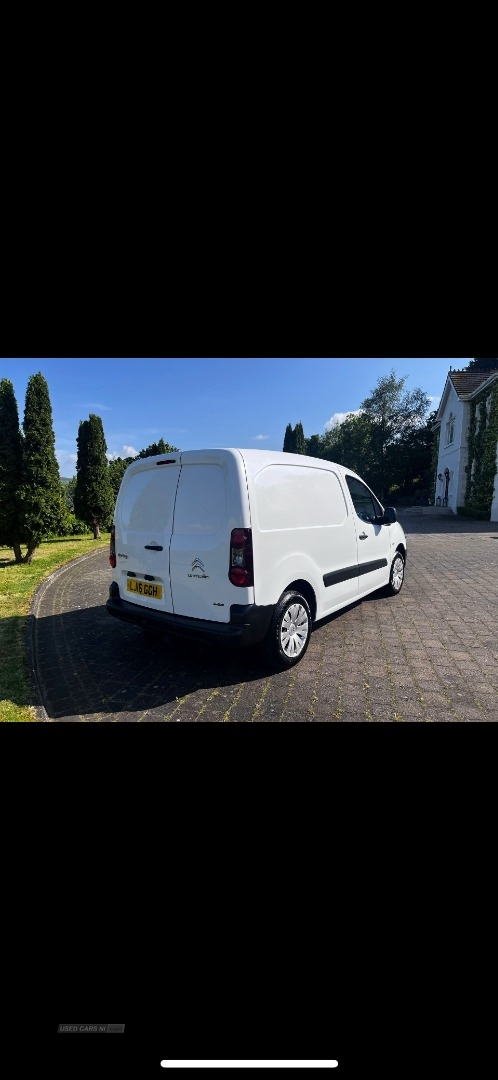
(17, 587)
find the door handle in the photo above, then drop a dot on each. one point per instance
(363, 536)
(153, 547)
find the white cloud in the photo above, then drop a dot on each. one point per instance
(338, 418)
(67, 462)
(97, 405)
(259, 438)
(126, 451)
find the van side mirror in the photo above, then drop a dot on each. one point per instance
(390, 516)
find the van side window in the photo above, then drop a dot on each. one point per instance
(362, 500)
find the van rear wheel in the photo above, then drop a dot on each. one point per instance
(289, 633)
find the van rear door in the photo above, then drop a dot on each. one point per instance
(210, 502)
(143, 523)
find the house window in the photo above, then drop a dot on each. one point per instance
(450, 430)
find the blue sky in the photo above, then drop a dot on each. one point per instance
(207, 402)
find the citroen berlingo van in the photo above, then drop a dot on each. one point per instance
(248, 546)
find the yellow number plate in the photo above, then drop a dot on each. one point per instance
(145, 588)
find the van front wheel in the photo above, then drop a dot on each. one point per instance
(290, 631)
(397, 575)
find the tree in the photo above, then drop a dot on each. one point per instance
(350, 444)
(69, 489)
(393, 415)
(42, 503)
(289, 443)
(158, 448)
(295, 442)
(117, 468)
(481, 364)
(10, 469)
(299, 439)
(314, 446)
(413, 467)
(93, 494)
(389, 441)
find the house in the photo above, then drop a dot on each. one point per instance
(467, 466)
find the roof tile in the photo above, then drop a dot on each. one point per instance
(465, 382)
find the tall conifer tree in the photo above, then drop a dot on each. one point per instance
(42, 504)
(10, 469)
(93, 494)
(289, 443)
(299, 439)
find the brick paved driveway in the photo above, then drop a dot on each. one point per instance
(430, 654)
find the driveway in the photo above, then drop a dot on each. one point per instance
(430, 654)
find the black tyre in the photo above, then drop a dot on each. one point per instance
(397, 575)
(289, 633)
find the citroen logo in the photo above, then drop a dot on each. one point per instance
(197, 569)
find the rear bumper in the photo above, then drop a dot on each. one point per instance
(248, 623)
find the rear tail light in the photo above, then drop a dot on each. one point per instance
(112, 552)
(241, 567)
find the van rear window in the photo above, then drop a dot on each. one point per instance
(295, 497)
(201, 501)
(148, 499)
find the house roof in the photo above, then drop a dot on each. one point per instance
(466, 382)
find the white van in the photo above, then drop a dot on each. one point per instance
(247, 546)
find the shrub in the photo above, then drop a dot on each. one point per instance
(401, 500)
(71, 526)
(75, 527)
(479, 515)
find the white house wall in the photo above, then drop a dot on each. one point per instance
(454, 457)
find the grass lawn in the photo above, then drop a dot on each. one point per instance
(17, 586)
